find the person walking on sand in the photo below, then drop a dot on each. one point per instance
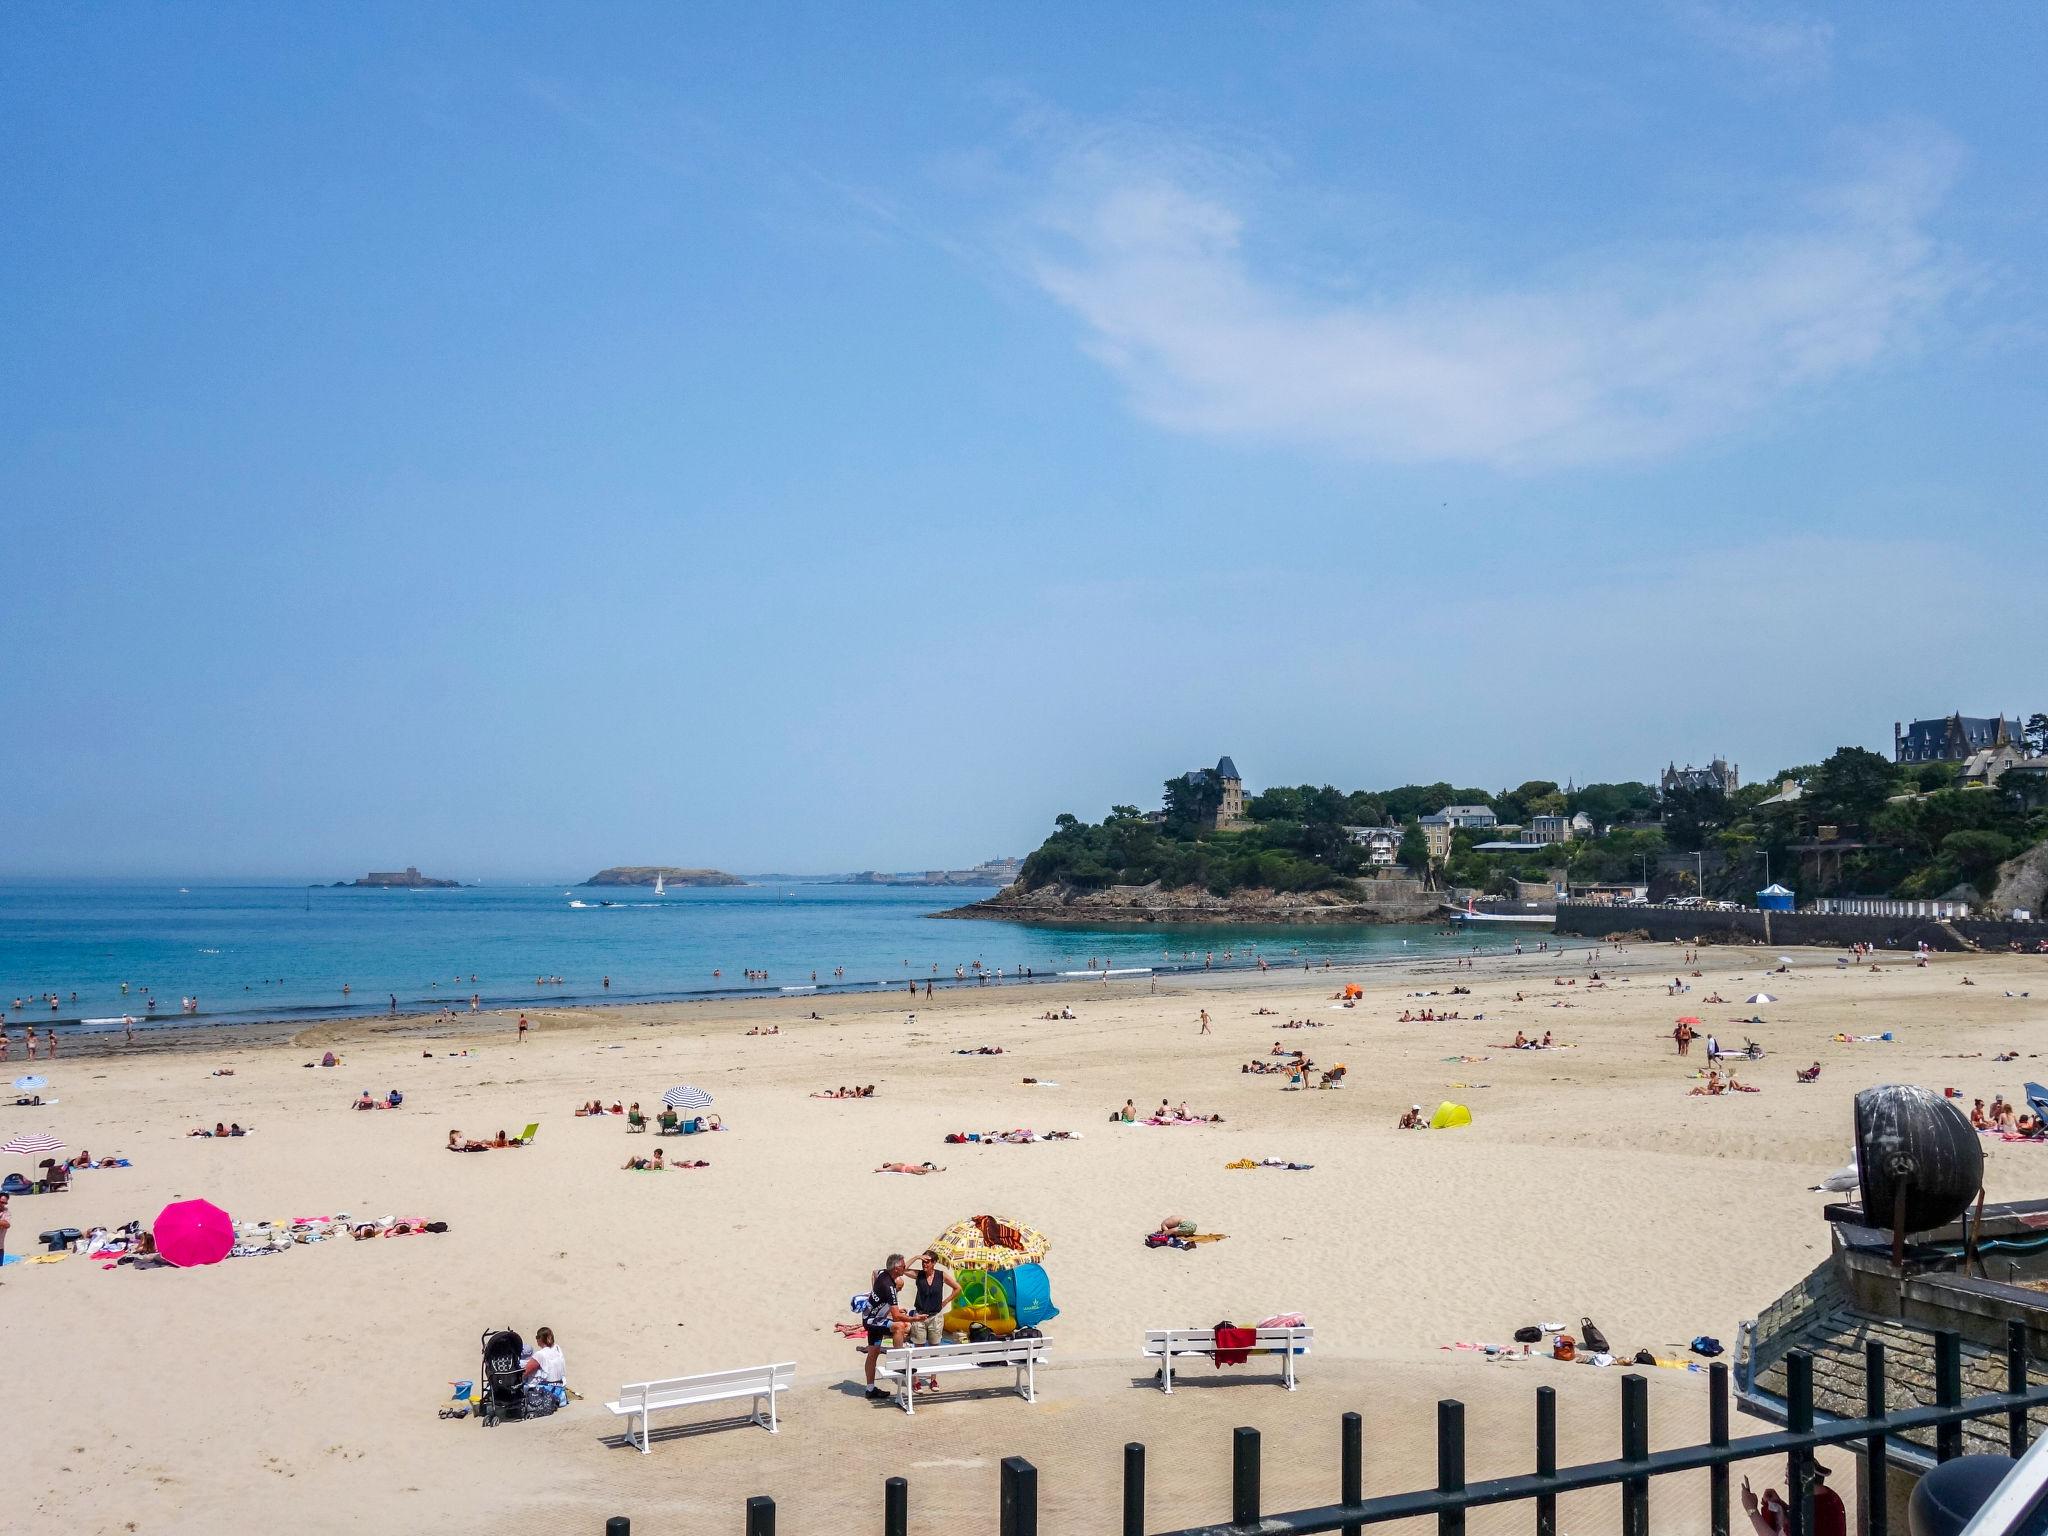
(127, 1029)
(522, 1029)
(1205, 1022)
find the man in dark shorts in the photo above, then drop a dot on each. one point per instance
(886, 1322)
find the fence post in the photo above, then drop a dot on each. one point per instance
(1351, 1477)
(1244, 1477)
(1134, 1489)
(1717, 1433)
(760, 1516)
(1546, 1458)
(1799, 1462)
(1948, 1391)
(2016, 1383)
(1450, 1463)
(1019, 1506)
(896, 1507)
(1875, 1490)
(1635, 1446)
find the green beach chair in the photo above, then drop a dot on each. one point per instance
(526, 1136)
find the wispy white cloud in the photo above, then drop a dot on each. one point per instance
(1620, 353)
(1790, 49)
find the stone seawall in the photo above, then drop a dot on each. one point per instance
(1822, 929)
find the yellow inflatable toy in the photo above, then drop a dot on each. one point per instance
(981, 1300)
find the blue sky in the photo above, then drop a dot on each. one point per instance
(513, 438)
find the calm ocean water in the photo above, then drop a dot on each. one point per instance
(252, 952)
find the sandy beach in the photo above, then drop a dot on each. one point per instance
(304, 1386)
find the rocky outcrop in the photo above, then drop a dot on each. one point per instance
(407, 879)
(645, 874)
(1384, 901)
(2023, 882)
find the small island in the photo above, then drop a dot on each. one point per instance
(647, 874)
(407, 879)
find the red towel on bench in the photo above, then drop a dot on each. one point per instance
(1234, 1345)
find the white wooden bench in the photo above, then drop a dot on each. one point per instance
(1169, 1344)
(913, 1361)
(644, 1399)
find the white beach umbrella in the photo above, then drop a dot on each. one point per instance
(26, 1083)
(1759, 997)
(683, 1096)
(35, 1141)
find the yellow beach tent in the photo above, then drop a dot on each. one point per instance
(1449, 1114)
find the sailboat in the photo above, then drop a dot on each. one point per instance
(659, 888)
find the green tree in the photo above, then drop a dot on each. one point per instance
(1192, 799)
(1413, 853)
(1693, 815)
(1850, 788)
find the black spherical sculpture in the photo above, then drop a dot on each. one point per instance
(1946, 1498)
(1917, 1159)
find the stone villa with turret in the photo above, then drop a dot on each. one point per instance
(1229, 812)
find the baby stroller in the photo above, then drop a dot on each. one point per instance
(504, 1377)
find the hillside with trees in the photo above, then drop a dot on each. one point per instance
(1886, 830)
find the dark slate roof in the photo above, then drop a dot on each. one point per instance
(1816, 1316)
(1226, 769)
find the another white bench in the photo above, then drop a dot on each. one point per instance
(915, 1360)
(1169, 1344)
(644, 1399)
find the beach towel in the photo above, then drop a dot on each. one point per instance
(1233, 1344)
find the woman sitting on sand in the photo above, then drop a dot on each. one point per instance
(917, 1168)
(1710, 1087)
(1411, 1121)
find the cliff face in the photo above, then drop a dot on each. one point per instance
(2023, 881)
(644, 874)
(1389, 901)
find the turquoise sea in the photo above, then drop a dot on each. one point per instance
(264, 952)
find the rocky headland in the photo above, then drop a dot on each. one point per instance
(1385, 901)
(646, 874)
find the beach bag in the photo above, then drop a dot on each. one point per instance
(980, 1333)
(1595, 1339)
(1644, 1357)
(1562, 1348)
(1528, 1335)
(1706, 1344)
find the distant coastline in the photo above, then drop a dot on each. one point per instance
(647, 874)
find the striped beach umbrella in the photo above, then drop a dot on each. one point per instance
(31, 1081)
(684, 1096)
(34, 1142)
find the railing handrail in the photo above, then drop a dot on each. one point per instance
(1631, 1471)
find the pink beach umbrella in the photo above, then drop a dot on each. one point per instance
(189, 1233)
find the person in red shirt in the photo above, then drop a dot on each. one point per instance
(1770, 1517)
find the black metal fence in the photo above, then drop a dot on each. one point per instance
(1631, 1472)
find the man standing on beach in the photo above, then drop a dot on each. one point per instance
(522, 1029)
(1205, 1022)
(885, 1321)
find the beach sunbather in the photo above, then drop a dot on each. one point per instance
(916, 1168)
